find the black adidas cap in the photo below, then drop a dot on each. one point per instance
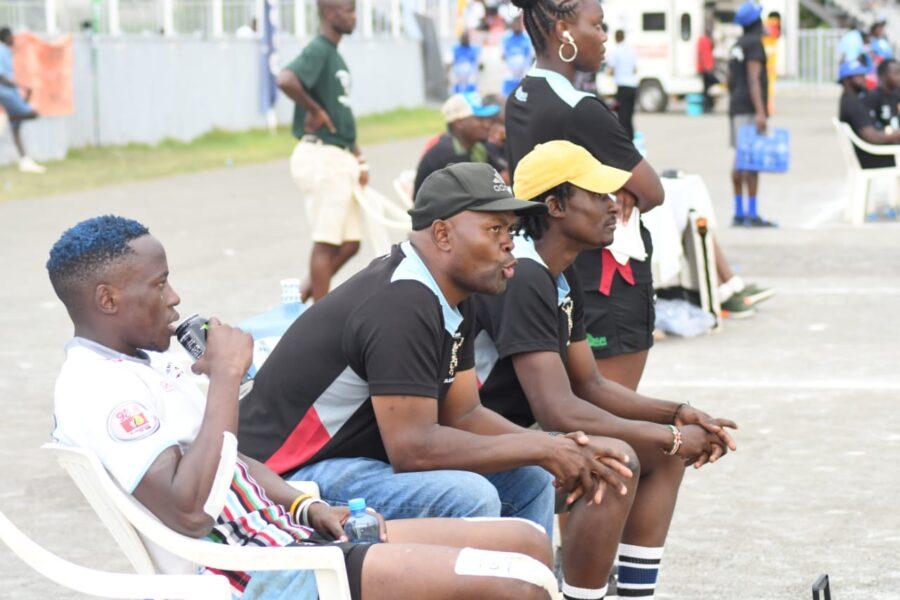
(466, 186)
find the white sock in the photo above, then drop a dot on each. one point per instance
(570, 592)
(733, 286)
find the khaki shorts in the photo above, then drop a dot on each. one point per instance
(735, 123)
(327, 176)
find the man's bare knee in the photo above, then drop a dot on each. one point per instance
(532, 541)
(634, 463)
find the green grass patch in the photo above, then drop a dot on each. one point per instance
(88, 168)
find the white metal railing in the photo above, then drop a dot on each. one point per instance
(817, 55)
(30, 14)
(213, 18)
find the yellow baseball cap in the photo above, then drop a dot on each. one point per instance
(560, 161)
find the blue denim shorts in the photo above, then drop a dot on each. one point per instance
(13, 103)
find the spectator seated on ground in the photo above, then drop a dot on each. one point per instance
(168, 445)
(855, 112)
(468, 124)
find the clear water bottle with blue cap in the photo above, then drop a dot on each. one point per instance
(361, 527)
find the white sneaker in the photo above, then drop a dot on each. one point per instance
(27, 165)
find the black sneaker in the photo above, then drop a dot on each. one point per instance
(737, 221)
(759, 222)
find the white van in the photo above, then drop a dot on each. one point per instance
(664, 34)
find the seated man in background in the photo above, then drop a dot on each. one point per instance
(175, 450)
(855, 112)
(535, 366)
(468, 123)
(882, 101)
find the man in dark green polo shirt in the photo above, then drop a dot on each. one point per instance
(326, 163)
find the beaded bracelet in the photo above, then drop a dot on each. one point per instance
(676, 441)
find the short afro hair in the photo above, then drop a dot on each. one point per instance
(87, 248)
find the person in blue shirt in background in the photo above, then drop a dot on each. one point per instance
(880, 45)
(465, 65)
(16, 107)
(517, 53)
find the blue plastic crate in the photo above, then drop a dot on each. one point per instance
(767, 153)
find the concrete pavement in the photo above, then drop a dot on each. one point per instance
(812, 379)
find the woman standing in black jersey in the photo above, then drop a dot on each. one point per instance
(568, 36)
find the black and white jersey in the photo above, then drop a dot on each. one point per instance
(546, 106)
(536, 313)
(387, 331)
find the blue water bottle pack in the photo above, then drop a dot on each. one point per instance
(767, 153)
(268, 327)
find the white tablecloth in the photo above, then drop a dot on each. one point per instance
(668, 222)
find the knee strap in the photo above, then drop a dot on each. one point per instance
(512, 565)
(508, 520)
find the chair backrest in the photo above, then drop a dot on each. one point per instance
(847, 143)
(112, 585)
(118, 510)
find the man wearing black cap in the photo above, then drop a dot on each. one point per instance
(372, 393)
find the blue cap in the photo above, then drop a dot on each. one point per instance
(849, 68)
(478, 107)
(468, 104)
(357, 504)
(747, 14)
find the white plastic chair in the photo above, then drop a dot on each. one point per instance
(136, 530)
(861, 179)
(403, 185)
(111, 585)
(381, 216)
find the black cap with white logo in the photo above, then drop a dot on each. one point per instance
(466, 186)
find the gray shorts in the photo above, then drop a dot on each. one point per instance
(736, 122)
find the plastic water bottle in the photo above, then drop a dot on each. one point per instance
(268, 327)
(361, 526)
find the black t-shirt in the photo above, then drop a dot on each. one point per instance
(748, 47)
(387, 331)
(882, 106)
(855, 113)
(545, 107)
(448, 151)
(535, 314)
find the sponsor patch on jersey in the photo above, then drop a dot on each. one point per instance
(131, 421)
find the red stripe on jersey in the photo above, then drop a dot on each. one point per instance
(307, 438)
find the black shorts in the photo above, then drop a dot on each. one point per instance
(621, 323)
(353, 558)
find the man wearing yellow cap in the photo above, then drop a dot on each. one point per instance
(534, 366)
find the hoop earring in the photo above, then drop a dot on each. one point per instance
(569, 42)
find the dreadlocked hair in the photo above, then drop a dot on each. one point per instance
(538, 16)
(534, 226)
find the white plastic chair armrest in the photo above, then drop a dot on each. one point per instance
(307, 487)
(111, 585)
(880, 149)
